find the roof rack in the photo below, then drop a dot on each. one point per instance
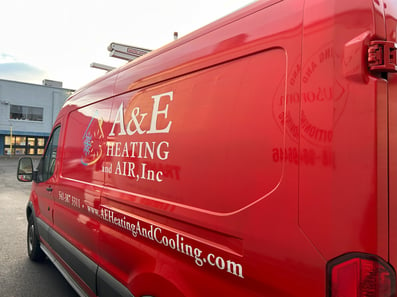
(126, 52)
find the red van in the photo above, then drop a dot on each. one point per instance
(256, 156)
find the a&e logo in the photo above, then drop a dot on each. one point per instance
(92, 141)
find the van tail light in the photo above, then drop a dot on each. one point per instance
(360, 275)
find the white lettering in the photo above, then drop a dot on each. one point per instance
(136, 123)
(166, 239)
(237, 268)
(156, 112)
(159, 176)
(119, 120)
(220, 263)
(155, 235)
(131, 167)
(118, 170)
(110, 149)
(117, 153)
(125, 151)
(162, 155)
(134, 114)
(152, 150)
(210, 261)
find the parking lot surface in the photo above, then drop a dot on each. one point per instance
(20, 277)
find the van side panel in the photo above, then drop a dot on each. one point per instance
(343, 195)
(201, 178)
(205, 147)
(204, 138)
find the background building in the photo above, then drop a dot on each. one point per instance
(27, 113)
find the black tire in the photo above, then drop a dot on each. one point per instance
(35, 253)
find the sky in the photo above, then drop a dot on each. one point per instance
(58, 40)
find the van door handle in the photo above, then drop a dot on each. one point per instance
(49, 189)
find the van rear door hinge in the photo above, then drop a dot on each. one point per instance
(382, 56)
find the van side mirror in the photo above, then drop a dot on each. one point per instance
(25, 170)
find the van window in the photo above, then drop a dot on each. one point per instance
(47, 164)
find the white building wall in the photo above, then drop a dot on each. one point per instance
(50, 98)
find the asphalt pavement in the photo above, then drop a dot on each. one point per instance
(20, 277)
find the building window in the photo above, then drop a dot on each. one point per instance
(41, 142)
(24, 145)
(26, 113)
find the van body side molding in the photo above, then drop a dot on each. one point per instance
(109, 286)
(94, 276)
(64, 272)
(80, 263)
(42, 228)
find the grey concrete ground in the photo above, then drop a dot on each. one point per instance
(19, 276)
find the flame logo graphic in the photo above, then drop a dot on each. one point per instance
(92, 141)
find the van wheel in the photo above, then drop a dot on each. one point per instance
(34, 251)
